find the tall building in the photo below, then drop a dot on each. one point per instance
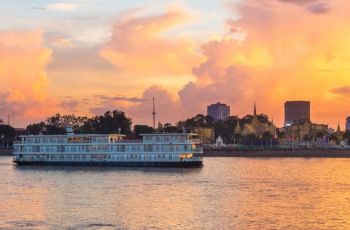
(347, 124)
(296, 112)
(218, 111)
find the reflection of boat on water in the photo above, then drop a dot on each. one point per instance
(154, 150)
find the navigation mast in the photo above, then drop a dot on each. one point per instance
(154, 115)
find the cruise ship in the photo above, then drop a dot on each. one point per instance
(154, 150)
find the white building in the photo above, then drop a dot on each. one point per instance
(219, 142)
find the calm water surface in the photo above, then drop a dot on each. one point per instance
(228, 193)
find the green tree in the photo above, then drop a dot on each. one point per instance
(75, 121)
(346, 136)
(54, 125)
(263, 119)
(334, 138)
(7, 135)
(142, 129)
(250, 140)
(112, 122)
(226, 128)
(320, 134)
(281, 134)
(36, 128)
(89, 126)
(267, 138)
(197, 121)
(238, 139)
(246, 120)
(169, 128)
(249, 118)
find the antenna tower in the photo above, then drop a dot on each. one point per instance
(13, 118)
(154, 115)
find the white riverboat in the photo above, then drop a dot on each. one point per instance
(154, 150)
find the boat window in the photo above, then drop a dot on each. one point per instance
(147, 148)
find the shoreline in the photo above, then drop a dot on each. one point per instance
(5, 152)
(302, 153)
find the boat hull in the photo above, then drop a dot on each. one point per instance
(179, 164)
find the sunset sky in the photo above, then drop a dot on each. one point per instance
(89, 56)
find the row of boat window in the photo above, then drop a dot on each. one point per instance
(114, 148)
(69, 140)
(169, 138)
(69, 157)
(43, 140)
(165, 138)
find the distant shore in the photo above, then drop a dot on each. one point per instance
(307, 153)
(5, 152)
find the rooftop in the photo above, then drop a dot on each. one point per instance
(75, 135)
(167, 134)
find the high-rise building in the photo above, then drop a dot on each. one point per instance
(296, 111)
(347, 124)
(218, 111)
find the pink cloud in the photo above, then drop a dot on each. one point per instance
(23, 59)
(344, 91)
(312, 6)
(24, 80)
(168, 108)
(138, 45)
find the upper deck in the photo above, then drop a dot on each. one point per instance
(161, 138)
(107, 143)
(170, 138)
(76, 138)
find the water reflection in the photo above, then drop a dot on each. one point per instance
(97, 169)
(228, 193)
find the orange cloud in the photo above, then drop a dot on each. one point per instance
(168, 107)
(138, 46)
(286, 54)
(22, 74)
(308, 53)
(22, 64)
(276, 51)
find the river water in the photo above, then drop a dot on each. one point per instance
(227, 193)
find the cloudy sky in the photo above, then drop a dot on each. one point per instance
(89, 56)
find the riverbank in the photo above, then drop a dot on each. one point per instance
(5, 152)
(327, 153)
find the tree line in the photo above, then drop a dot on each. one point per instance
(7, 135)
(117, 122)
(110, 122)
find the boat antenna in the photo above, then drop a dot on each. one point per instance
(154, 115)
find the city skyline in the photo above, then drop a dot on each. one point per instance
(84, 57)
